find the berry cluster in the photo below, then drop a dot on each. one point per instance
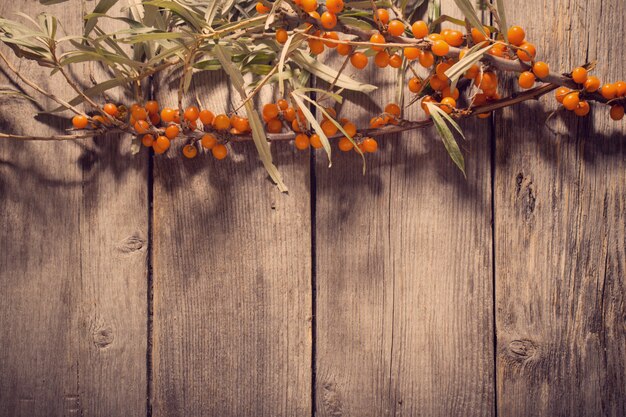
(434, 53)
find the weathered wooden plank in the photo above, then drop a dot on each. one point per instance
(73, 236)
(560, 230)
(404, 283)
(232, 278)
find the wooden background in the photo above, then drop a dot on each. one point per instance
(140, 286)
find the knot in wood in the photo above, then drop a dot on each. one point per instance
(522, 349)
(103, 337)
(131, 244)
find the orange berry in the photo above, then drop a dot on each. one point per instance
(208, 141)
(570, 102)
(274, 126)
(526, 52)
(420, 29)
(315, 140)
(526, 79)
(168, 115)
(381, 59)
(147, 140)
(155, 119)
(369, 145)
(281, 36)
(161, 144)
(308, 5)
(377, 38)
(472, 72)
(191, 114)
(100, 120)
(241, 124)
(316, 46)
(289, 114)
(282, 104)
(411, 53)
(140, 114)
(345, 144)
(331, 112)
(350, 129)
(221, 122)
(134, 107)
(295, 126)
(358, 60)
(152, 107)
(617, 112)
(206, 117)
(395, 28)
(382, 16)
(332, 37)
(393, 109)
(111, 109)
(608, 91)
(172, 132)
(498, 50)
(446, 92)
(486, 81)
(582, 109)
(190, 151)
(425, 100)
(435, 37)
(334, 6)
(270, 111)
(79, 121)
(454, 38)
(592, 84)
(579, 75)
(440, 48)
(477, 35)
(302, 141)
(377, 122)
(395, 61)
(141, 127)
(541, 69)
(516, 35)
(261, 8)
(427, 59)
(329, 128)
(560, 93)
(315, 15)
(219, 151)
(343, 49)
(620, 88)
(448, 104)
(441, 69)
(438, 84)
(329, 20)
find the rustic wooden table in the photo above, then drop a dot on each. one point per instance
(132, 286)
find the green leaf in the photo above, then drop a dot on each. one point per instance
(101, 8)
(446, 135)
(329, 75)
(470, 14)
(471, 57)
(7, 91)
(298, 97)
(258, 132)
(94, 91)
(502, 17)
(354, 22)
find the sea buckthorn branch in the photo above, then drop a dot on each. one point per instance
(250, 38)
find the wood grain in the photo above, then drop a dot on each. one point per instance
(232, 278)
(560, 230)
(404, 289)
(73, 244)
